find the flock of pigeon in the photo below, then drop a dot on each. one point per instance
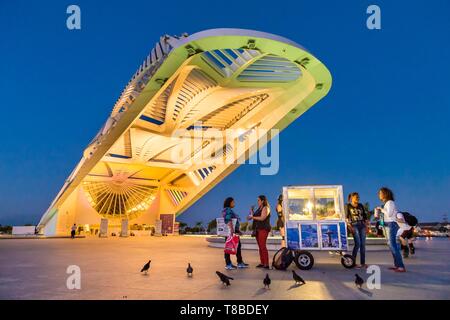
(266, 281)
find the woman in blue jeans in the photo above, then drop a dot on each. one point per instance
(357, 220)
(389, 211)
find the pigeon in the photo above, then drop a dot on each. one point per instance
(267, 282)
(224, 278)
(146, 267)
(358, 281)
(297, 278)
(189, 270)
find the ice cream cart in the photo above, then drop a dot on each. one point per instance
(314, 221)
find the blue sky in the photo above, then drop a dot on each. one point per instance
(384, 122)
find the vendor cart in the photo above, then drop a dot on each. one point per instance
(315, 221)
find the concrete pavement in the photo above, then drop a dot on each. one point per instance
(36, 269)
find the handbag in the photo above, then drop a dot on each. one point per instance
(231, 244)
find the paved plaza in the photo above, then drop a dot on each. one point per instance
(36, 269)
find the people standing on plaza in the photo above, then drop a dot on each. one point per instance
(261, 218)
(72, 231)
(357, 220)
(403, 234)
(228, 216)
(389, 212)
(280, 219)
(379, 229)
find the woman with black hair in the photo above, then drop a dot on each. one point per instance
(228, 216)
(357, 220)
(390, 211)
(280, 220)
(261, 218)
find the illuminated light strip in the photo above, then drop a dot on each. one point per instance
(227, 61)
(195, 83)
(144, 73)
(203, 173)
(270, 68)
(158, 107)
(128, 201)
(120, 156)
(219, 118)
(176, 196)
(151, 120)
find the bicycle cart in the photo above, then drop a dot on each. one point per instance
(315, 221)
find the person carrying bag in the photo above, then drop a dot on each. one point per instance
(232, 243)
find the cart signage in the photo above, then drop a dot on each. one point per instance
(343, 235)
(329, 236)
(309, 236)
(293, 239)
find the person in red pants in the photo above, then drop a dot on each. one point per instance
(261, 221)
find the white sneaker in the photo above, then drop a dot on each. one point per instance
(230, 267)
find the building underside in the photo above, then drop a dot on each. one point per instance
(228, 81)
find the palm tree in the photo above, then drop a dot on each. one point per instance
(199, 225)
(212, 225)
(182, 224)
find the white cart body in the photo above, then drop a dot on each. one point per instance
(315, 218)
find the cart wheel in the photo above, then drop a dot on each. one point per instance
(348, 261)
(304, 260)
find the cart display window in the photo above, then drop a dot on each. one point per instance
(326, 204)
(300, 204)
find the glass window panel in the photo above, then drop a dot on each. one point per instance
(326, 204)
(300, 205)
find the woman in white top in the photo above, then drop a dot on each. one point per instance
(391, 227)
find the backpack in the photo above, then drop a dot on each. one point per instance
(282, 259)
(410, 219)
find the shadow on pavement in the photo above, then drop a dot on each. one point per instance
(366, 292)
(294, 286)
(260, 291)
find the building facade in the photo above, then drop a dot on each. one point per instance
(147, 163)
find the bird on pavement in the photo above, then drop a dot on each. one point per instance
(224, 278)
(267, 282)
(146, 267)
(297, 278)
(189, 270)
(358, 281)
